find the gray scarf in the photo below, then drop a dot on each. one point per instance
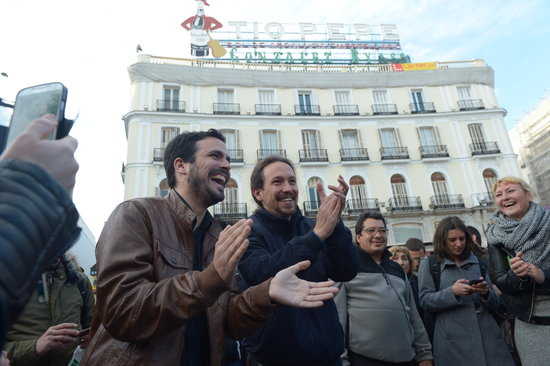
(530, 235)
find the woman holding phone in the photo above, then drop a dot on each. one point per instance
(519, 252)
(453, 286)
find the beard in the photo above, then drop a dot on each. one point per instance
(201, 187)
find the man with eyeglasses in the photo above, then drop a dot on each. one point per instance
(376, 308)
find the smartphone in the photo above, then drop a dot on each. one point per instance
(36, 101)
(83, 332)
(475, 282)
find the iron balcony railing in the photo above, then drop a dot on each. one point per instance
(311, 208)
(404, 203)
(424, 107)
(158, 154)
(470, 104)
(393, 153)
(484, 148)
(313, 155)
(346, 110)
(358, 206)
(227, 108)
(307, 110)
(236, 155)
(484, 198)
(264, 153)
(378, 109)
(446, 201)
(354, 154)
(268, 109)
(433, 151)
(167, 105)
(230, 211)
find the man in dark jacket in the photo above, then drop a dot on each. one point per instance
(37, 216)
(280, 237)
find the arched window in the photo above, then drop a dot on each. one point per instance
(439, 185)
(313, 196)
(163, 188)
(231, 191)
(399, 191)
(358, 193)
(490, 178)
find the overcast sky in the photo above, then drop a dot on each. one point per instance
(88, 46)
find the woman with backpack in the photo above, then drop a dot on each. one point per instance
(454, 286)
(519, 252)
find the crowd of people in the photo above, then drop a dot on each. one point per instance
(176, 286)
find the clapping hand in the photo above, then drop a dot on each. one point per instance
(287, 289)
(230, 247)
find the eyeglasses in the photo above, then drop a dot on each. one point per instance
(373, 230)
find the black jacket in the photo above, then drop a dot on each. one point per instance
(518, 293)
(37, 223)
(294, 336)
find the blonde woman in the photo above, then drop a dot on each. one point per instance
(519, 252)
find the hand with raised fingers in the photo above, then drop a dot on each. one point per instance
(328, 216)
(54, 156)
(57, 337)
(287, 289)
(230, 247)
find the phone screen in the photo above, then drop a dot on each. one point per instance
(34, 102)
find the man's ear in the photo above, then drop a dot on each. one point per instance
(180, 166)
(258, 194)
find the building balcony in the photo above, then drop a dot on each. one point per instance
(424, 107)
(311, 208)
(381, 109)
(230, 211)
(313, 155)
(470, 105)
(158, 154)
(433, 151)
(346, 110)
(167, 105)
(394, 153)
(236, 155)
(268, 109)
(226, 108)
(404, 203)
(307, 110)
(355, 207)
(484, 199)
(446, 201)
(355, 154)
(264, 153)
(484, 148)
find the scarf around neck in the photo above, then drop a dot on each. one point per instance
(530, 235)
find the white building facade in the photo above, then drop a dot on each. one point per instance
(416, 145)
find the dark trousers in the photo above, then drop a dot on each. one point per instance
(358, 360)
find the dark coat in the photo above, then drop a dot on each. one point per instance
(37, 223)
(293, 335)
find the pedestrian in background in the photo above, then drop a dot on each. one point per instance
(519, 254)
(417, 251)
(452, 285)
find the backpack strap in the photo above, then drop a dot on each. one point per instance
(435, 270)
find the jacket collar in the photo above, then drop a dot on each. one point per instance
(265, 215)
(367, 259)
(181, 208)
(472, 259)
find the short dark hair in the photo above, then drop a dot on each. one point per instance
(184, 146)
(473, 231)
(375, 215)
(257, 177)
(414, 244)
(440, 238)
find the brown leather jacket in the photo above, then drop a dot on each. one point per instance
(146, 289)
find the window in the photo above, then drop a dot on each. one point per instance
(464, 92)
(231, 191)
(304, 101)
(402, 233)
(232, 144)
(349, 139)
(429, 140)
(476, 133)
(489, 178)
(266, 100)
(312, 194)
(342, 97)
(170, 98)
(225, 101)
(439, 186)
(167, 134)
(311, 140)
(269, 143)
(389, 138)
(380, 96)
(358, 193)
(266, 96)
(399, 191)
(417, 100)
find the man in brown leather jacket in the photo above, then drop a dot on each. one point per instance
(166, 270)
